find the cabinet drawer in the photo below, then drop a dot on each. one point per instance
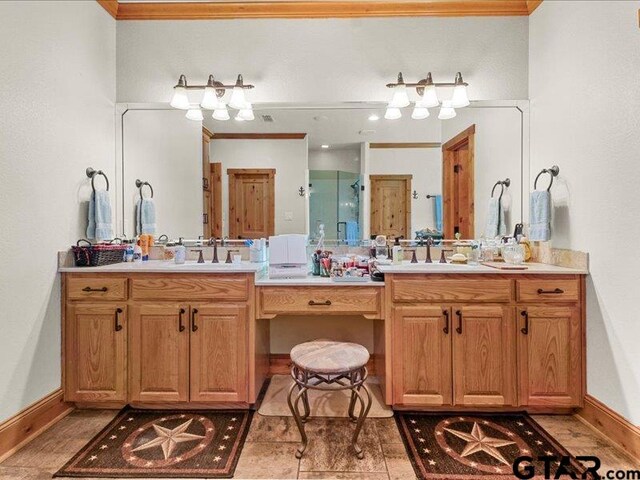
(322, 301)
(439, 289)
(96, 288)
(548, 290)
(191, 287)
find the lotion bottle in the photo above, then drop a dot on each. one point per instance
(397, 252)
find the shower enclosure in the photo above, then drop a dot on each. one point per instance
(334, 201)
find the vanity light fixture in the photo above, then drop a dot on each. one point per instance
(427, 98)
(213, 99)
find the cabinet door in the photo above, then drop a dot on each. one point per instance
(484, 367)
(550, 358)
(96, 352)
(219, 366)
(422, 363)
(159, 353)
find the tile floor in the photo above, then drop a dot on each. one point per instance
(269, 450)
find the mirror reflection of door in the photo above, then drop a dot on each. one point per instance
(458, 184)
(251, 202)
(391, 205)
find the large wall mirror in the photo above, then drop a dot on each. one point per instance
(343, 169)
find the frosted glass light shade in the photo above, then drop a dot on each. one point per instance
(419, 113)
(221, 113)
(195, 114)
(400, 97)
(459, 98)
(180, 99)
(209, 99)
(430, 97)
(246, 113)
(237, 99)
(392, 113)
(446, 111)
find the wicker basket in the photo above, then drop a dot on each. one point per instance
(89, 255)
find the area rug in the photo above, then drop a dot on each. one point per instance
(164, 444)
(482, 446)
(321, 403)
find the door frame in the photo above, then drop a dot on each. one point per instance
(408, 179)
(232, 173)
(462, 139)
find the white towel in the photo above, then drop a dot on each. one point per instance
(145, 216)
(99, 225)
(495, 219)
(540, 216)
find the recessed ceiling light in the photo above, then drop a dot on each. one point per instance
(324, 146)
(373, 117)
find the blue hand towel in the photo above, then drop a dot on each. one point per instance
(495, 219)
(352, 233)
(99, 227)
(145, 216)
(438, 215)
(540, 216)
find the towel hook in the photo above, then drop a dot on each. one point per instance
(92, 173)
(140, 184)
(553, 172)
(503, 183)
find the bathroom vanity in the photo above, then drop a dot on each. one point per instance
(445, 337)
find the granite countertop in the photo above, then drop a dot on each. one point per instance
(439, 268)
(168, 266)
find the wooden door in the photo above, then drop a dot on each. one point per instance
(391, 205)
(458, 184)
(251, 202)
(206, 184)
(484, 356)
(219, 368)
(550, 358)
(215, 183)
(422, 358)
(96, 352)
(159, 353)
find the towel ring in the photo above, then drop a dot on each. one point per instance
(503, 183)
(92, 173)
(553, 172)
(140, 184)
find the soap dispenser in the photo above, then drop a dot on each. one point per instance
(397, 252)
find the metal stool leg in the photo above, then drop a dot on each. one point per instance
(293, 406)
(364, 411)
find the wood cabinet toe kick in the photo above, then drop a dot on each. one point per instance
(481, 342)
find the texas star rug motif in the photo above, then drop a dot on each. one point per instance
(478, 446)
(160, 443)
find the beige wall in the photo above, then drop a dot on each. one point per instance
(585, 117)
(57, 102)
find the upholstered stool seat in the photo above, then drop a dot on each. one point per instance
(329, 365)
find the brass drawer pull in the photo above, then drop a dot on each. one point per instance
(118, 326)
(525, 329)
(556, 291)
(313, 303)
(89, 289)
(459, 327)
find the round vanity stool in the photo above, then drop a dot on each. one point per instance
(327, 365)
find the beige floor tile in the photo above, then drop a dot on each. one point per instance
(343, 476)
(330, 449)
(387, 430)
(267, 461)
(273, 429)
(398, 463)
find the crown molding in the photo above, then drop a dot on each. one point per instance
(315, 9)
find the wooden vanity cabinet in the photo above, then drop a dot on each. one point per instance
(550, 355)
(95, 353)
(488, 341)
